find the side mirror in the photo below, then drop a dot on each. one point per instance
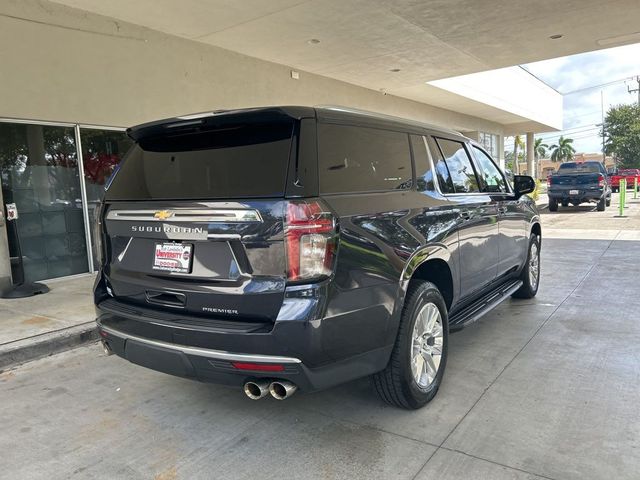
(523, 184)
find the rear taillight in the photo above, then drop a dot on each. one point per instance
(310, 234)
(601, 181)
(549, 181)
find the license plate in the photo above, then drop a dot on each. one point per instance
(173, 257)
(574, 192)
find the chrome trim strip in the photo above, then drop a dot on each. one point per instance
(203, 352)
(224, 236)
(189, 215)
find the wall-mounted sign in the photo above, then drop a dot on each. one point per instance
(12, 211)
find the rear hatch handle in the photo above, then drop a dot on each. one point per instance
(168, 299)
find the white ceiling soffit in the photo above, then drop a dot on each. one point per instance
(513, 91)
(361, 41)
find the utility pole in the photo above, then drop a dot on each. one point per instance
(604, 157)
(633, 90)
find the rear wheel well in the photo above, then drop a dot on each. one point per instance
(437, 272)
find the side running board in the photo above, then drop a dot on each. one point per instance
(484, 304)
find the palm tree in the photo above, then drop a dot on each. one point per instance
(517, 143)
(540, 149)
(563, 151)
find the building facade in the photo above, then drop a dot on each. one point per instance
(74, 80)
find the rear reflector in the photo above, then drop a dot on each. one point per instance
(260, 367)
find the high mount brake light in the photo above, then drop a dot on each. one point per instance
(310, 234)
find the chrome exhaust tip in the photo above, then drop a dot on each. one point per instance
(106, 348)
(255, 390)
(282, 389)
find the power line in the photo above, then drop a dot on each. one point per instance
(591, 87)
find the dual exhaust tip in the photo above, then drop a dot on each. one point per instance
(279, 389)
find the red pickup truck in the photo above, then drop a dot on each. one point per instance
(629, 174)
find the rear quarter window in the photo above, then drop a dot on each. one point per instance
(362, 159)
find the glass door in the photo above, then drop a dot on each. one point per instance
(40, 174)
(102, 151)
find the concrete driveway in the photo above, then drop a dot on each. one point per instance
(546, 388)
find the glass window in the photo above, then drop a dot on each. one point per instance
(490, 143)
(237, 161)
(491, 175)
(39, 173)
(102, 151)
(359, 159)
(424, 174)
(459, 166)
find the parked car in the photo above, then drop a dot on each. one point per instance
(579, 182)
(629, 174)
(296, 247)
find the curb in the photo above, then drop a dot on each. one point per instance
(25, 350)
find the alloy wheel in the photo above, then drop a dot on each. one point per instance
(534, 265)
(427, 342)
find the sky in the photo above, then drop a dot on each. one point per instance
(609, 71)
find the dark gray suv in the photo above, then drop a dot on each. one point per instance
(288, 248)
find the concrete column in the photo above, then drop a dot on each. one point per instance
(5, 263)
(530, 155)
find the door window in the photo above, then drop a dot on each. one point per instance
(491, 176)
(459, 166)
(424, 174)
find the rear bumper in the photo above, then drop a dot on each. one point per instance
(583, 195)
(217, 366)
(296, 349)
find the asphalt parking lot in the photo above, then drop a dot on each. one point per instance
(543, 388)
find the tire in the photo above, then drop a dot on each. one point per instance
(397, 384)
(608, 202)
(553, 205)
(601, 204)
(530, 283)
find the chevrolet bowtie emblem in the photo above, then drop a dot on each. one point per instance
(163, 214)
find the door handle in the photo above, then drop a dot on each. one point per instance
(502, 210)
(465, 215)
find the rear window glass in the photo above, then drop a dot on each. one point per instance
(359, 159)
(586, 167)
(237, 161)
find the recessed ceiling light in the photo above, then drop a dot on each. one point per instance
(394, 70)
(313, 41)
(556, 36)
